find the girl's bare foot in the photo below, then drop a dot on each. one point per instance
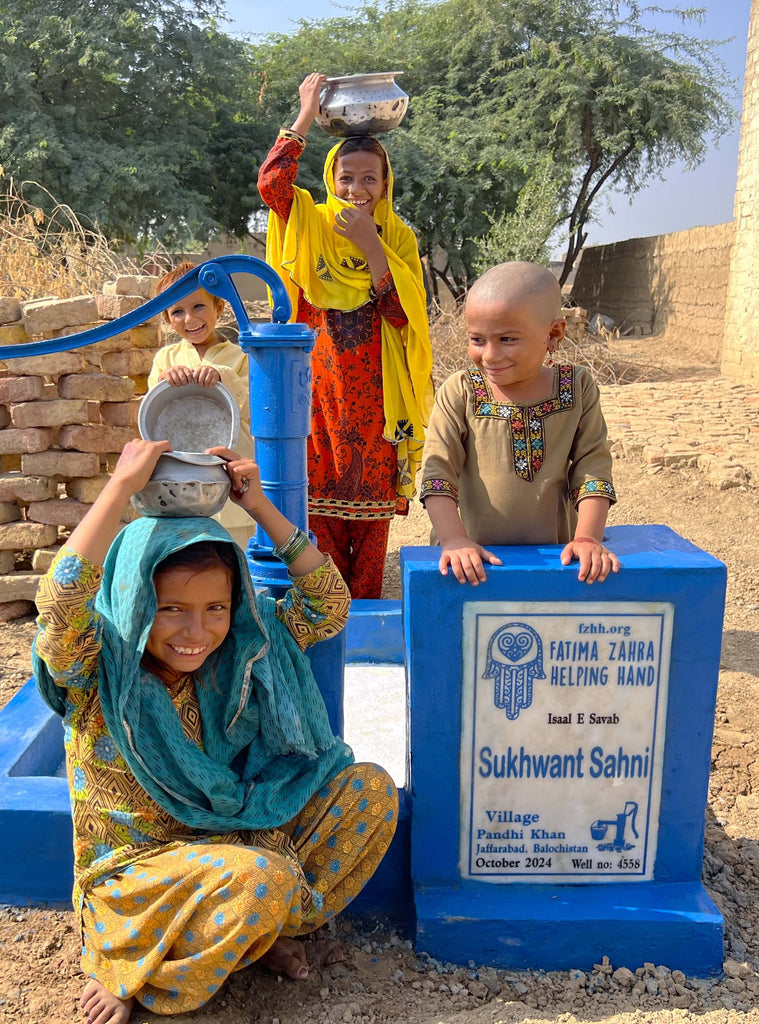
(287, 956)
(325, 952)
(324, 949)
(103, 1007)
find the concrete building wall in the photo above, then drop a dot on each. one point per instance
(740, 353)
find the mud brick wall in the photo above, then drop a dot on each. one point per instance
(740, 353)
(675, 284)
(64, 419)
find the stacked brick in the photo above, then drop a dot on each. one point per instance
(577, 322)
(64, 419)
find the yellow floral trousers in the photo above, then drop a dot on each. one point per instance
(169, 928)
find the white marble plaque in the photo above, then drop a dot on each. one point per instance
(563, 724)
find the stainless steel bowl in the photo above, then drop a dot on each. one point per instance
(172, 499)
(184, 484)
(362, 104)
(192, 418)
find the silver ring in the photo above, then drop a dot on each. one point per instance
(244, 484)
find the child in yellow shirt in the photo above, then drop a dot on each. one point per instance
(203, 356)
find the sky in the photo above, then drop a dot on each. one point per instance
(684, 199)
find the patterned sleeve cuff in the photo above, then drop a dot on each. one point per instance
(593, 488)
(385, 284)
(316, 606)
(68, 568)
(438, 487)
(314, 580)
(288, 133)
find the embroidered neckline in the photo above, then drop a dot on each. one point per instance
(526, 421)
(486, 405)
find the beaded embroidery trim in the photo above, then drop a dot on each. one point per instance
(591, 487)
(526, 421)
(438, 487)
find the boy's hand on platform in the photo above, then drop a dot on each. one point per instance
(465, 560)
(596, 561)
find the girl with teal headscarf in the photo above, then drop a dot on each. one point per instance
(216, 816)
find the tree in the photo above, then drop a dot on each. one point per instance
(524, 234)
(450, 177)
(497, 86)
(624, 103)
(124, 110)
(144, 116)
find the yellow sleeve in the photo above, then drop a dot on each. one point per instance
(162, 360)
(69, 635)
(232, 364)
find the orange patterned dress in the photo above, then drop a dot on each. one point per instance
(352, 469)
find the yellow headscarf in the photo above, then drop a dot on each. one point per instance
(332, 273)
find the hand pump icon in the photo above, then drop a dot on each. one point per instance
(600, 827)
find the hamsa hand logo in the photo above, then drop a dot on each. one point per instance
(514, 660)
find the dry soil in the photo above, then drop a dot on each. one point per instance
(382, 980)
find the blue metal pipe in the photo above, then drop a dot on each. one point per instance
(212, 275)
(279, 378)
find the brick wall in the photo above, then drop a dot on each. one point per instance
(740, 353)
(674, 284)
(64, 419)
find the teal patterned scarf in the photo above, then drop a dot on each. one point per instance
(267, 742)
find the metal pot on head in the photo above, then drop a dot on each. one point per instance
(186, 481)
(362, 104)
(182, 485)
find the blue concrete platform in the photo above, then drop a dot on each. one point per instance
(36, 866)
(35, 819)
(374, 634)
(560, 927)
(514, 921)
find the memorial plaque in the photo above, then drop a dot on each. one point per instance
(563, 724)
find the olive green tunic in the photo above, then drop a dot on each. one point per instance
(517, 472)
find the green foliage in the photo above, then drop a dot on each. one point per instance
(144, 116)
(499, 87)
(124, 109)
(524, 234)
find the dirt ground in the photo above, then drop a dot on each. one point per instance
(383, 981)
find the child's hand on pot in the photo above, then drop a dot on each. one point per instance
(310, 92)
(177, 376)
(206, 376)
(137, 461)
(245, 478)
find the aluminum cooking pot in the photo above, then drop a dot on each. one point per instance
(184, 485)
(186, 481)
(362, 104)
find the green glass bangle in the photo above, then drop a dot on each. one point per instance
(293, 547)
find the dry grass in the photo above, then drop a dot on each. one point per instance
(600, 352)
(54, 253)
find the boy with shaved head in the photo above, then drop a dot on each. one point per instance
(516, 448)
